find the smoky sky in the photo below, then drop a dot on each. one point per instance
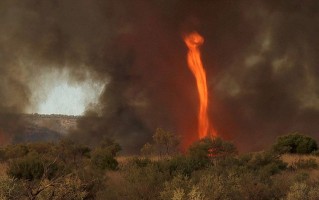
(261, 59)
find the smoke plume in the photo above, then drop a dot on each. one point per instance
(261, 60)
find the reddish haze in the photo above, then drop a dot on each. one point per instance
(261, 61)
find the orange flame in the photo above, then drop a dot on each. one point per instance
(193, 41)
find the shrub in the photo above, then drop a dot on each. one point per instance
(10, 188)
(165, 142)
(177, 188)
(41, 147)
(295, 143)
(15, 151)
(28, 168)
(212, 147)
(302, 191)
(72, 153)
(266, 164)
(103, 156)
(31, 167)
(305, 164)
(111, 146)
(72, 188)
(220, 185)
(103, 159)
(200, 149)
(255, 186)
(181, 165)
(139, 162)
(301, 176)
(143, 182)
(147, 149)
(55, 171)
(206, 150)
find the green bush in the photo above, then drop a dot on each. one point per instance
(215, 183)
(71, 187)
(212, 147)
(144, 182)
(111, 146)
(165, 142)
(266, 164)
(208, 150)
(41, 147)
(177, 188)
(31, 167)
(295, 143)
(16, 151)
(103, 159)
(184, 165)
(56, 170)
(72, 153)
(139, 162)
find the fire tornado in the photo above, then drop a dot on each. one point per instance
(193, 41)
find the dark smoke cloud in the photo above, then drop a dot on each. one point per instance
(261, 59)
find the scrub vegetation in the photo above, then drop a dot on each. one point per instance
(210, 169)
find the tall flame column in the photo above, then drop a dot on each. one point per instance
(193, 41)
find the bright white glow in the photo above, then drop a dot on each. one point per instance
(66, 99)
(57, 94)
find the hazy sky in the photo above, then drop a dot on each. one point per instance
(261, 60)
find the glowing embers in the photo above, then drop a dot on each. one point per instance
(193, 41)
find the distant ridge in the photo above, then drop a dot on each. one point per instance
(45, 127)
(55, 122)
(51, 115)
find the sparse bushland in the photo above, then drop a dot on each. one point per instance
(63, 170)
(232, 177)
(210, 169)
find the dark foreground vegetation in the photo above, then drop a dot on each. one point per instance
(210, 169)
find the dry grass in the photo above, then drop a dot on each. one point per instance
(115, 177)
(292, 158)
(125, 159)
(3, 169)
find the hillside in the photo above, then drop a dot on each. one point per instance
(57, 123)
(41, 127)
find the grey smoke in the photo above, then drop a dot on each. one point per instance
(261, 59)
